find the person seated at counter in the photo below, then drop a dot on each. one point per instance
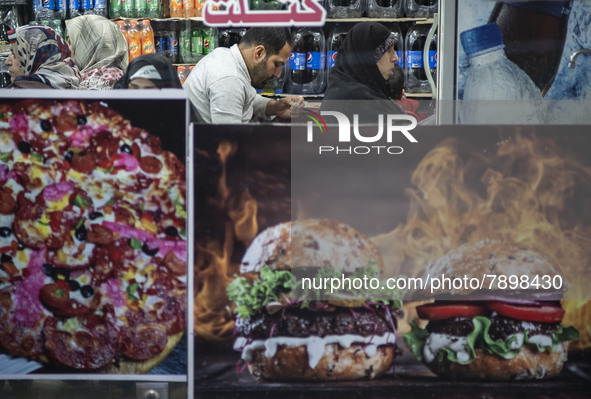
(150, 71)
(222, 86)
(40, 59)
(357, 83)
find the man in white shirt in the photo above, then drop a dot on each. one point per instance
(222, 86)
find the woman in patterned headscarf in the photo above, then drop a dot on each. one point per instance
(99, 50)
(40, 59)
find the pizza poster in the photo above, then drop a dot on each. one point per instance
(93, 234)
(510, 198)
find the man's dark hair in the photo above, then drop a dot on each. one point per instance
(395, 83)
(272, 38)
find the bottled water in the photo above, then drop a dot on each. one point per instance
(496, 89)
(307, 62)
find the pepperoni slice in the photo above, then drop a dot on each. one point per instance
(18, 339)
(176, 266)
(84, 162)
(31, 230)
(98, 234)
(91, 345)
(104, 145)
(55, 296)
(7, 203)
(135, 150)
(150, 164)
(141, 339)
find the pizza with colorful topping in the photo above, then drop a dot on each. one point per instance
(92, 237)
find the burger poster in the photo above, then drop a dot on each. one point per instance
(93, 236)
(472, 208)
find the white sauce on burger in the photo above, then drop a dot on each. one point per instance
(314, 345)
(437, 341)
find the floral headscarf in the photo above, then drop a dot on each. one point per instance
(44, 56)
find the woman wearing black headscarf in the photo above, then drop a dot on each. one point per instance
(364, 62)
(150, 71)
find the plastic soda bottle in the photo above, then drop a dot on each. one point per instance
(199, 8)
(141, 8)
(189, 7)
(115, 8)
(176, 9)
(185, 43)
(147, 35)
(183, 73)
(209, 40)
(128, 8)
(134, 40)
(153, 8)
(196, 43)
(86, 6)
(123, 29)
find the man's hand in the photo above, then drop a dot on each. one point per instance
(284, 107)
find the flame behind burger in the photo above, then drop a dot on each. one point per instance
(289, 336)
(492, 336)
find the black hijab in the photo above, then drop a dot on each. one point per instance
(355, 75)
(163, 73)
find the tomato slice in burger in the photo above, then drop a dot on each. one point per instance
(542, 313)
(442, 310)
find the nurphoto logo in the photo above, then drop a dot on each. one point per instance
(350, 133)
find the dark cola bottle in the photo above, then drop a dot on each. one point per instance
(399, 46)
(229, 37)
(414, 71)
(385, 8)
(4, 79)
(534, 34)
(307, 62)
(344, 8)
(334, 44)
(420, 8)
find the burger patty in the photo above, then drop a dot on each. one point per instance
(501, 327)
(296, 322)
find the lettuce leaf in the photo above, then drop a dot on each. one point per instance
(415, 340)
(480, 338)
(251, 298)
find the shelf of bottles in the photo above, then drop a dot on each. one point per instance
(179, 32)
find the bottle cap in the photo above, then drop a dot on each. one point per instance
(483, 38)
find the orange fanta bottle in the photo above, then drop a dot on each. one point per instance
(134, 40)
(147, 38)
(176, 9)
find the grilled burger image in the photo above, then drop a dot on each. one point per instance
(286, 336)
(493, 335)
